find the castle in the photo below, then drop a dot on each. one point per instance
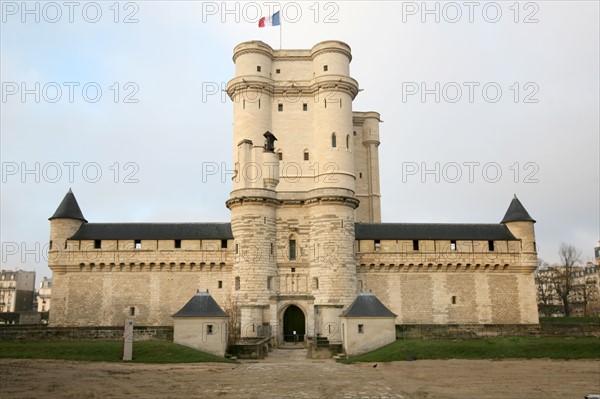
(305, 236)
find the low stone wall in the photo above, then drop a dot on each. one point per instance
(41, 332)
(474, 331)
(250, 348)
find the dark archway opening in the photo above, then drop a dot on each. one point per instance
(293, 324)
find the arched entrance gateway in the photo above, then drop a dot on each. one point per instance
(294, 324)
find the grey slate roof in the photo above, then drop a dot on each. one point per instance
(68, 208)
(367, 305)
(201, 305)
(154, 231)
(516, 212)
(432, 231)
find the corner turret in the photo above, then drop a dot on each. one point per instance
(520, 224)
(65, 222)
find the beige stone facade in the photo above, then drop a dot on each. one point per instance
(305, 235)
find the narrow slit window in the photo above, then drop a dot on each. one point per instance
(292, 244)
(354, 133)
(361, 328)
(97, 244)
(258, 68)
(177, 243)
(306, 156)
(333, 141)
(360, 175)
(50, 245)
(280, 155)
(415, 245)
(259, 103)
(454, 299)
(325, 102)
(132, 311)
(280, 107)
(347, 141)
(325, 68)
(491, 245)
(269, 282)
(304, 107)
(220, 284)
(244, 103)
(237, 283)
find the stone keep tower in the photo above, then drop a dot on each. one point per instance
(294, 192)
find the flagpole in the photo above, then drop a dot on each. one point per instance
(280, 28)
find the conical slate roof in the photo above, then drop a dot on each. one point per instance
(516, 212)
(367, 305)
(68, 209)
(201, 305)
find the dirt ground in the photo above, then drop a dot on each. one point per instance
(288, 374)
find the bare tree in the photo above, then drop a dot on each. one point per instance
(545, 290)
(233, 324)
(588, 291)
(563, 276)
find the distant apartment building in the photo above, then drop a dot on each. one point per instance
(16, 291)
(44, 295)
(597, 254)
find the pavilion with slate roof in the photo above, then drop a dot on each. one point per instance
(367, 324)
(201, 324)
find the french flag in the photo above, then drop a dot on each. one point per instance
(273, 20)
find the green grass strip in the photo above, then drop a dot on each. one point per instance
(106, 351)
(493, 348)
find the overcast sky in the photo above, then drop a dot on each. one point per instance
(517, 110)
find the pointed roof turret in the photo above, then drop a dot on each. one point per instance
(201, 305)
(367, 305)
(516, 212)
(68, 209)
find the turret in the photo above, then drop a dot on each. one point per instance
(65, 222)
(520, 224)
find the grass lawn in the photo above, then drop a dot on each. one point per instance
(107, 351)
(493, 348)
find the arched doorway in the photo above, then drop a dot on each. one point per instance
(294, 325)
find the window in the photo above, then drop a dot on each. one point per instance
(306, 156)
(209, 329)
(259, 103)
(292, 249)
(325, 68)
(269, 280)
(132, 311)
(361, 328)
(454, 299)
(415, 245)
(244, 103)
(271, 248)
(280, 107)
(278, 71)
(453, 245)
(223, 244)
(347, 141)
(354, 133)
(315, 283)
(360, 175)
(50, 245)
(491, 245)
(377, 245)
(280, 155)
(333, 140)
(236, 248)
(177, 243)
(304, 107)
(293, 270)
(258, 68)
(237, 283)
(137, 244)
(220, 284)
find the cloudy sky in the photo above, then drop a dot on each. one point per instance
(121, 102)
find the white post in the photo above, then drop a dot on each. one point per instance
(128, 340)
